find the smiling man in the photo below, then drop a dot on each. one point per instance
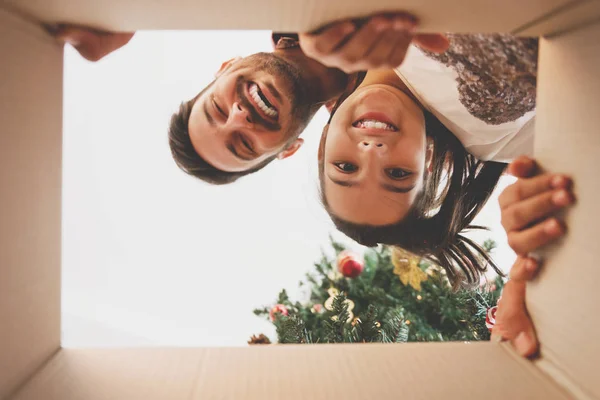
(252, 113)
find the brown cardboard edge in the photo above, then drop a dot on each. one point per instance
(38, 27)
(565, 19)
(531, 25)
(18, 24)
(567, 142)
(561, 378)
(34, 373)
(355, 372)
(282, 20)
(563, 386)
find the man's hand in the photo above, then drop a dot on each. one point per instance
(380, 41)
(92, 44)
(528, 204)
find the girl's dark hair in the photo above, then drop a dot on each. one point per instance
(455, 191)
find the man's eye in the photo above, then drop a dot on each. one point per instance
(218, 108)
(346, 167)
(397, 173)
(246, 144)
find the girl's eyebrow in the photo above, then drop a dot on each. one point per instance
(385, 186)
(343, 183)
(397, 189)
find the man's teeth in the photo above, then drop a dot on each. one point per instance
(254, 93)
(374, 124)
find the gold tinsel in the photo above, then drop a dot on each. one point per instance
(406, 266)
(333, 292)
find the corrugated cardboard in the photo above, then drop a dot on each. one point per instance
(292, 15)
(30, 199)
(562, 303)
(293, 372)
(568, 140)
(570, 17)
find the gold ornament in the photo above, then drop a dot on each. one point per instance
(406, 266)
(419, 297)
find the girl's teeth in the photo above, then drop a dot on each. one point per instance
(260, 103)
(373, 124)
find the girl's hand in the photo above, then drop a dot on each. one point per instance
(380, 41)
(92, 44)
(512, 320)
(528, 204)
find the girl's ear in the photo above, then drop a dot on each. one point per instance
(429, 155)
(321, 153)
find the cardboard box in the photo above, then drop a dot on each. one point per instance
(562, 302)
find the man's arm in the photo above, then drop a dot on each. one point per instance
(379, 41)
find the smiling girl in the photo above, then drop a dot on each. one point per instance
(411, 155)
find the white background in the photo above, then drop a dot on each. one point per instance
(154, 257)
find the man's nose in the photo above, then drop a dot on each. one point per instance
(239, 116)
(373, 146)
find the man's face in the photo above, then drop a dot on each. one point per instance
(251, 112)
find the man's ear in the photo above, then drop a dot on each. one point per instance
(429, 155)
(291, 149)
(321, 152)
(226, 66)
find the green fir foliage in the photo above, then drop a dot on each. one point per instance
(384, 309)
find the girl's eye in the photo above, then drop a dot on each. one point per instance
(346, 167)
(397, 173)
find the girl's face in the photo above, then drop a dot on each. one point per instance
(374, 155)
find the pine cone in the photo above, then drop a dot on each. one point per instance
(260, 339)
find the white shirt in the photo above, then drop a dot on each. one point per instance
(434, 85)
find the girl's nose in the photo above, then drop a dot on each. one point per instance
(372, 145)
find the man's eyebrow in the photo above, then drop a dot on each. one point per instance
(397, 189)
(236, 155)
(210, 119)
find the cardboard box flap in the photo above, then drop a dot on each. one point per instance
(412, 371)
(565, 19)
(565, 298)
(30, 199)
(286, 15)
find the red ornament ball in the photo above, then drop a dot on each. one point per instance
(278, 309)
(490, 318)
(350, 264)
